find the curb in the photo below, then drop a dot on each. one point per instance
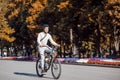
(99, 65)
(75, 61)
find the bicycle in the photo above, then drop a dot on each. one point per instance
(54, 63)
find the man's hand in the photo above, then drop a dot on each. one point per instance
(58, 45)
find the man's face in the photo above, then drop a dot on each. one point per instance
(46, 29)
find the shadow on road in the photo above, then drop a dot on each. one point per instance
(31, 75)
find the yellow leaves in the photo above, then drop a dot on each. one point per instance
(115, 11)
(2, 19)
(89, 15)
(32, 11)
(14, 13)
(31, 19)
(90, 19)
(110, 12)
(117, 14)
(33, 8)
(116, 7)
(63, 5)
(5, 30)
(18, 0)
(44, 2)
(101, 30)
(3, 8)
(103, 45)
(5, 33)
(34, 16)
(12, 5)
(106, 42)
(82, 9)
(10, 16)
(38, 6)
(31, 27)
(6, 37)
(113, 1)
(8, 30)
(116, 22)
(88, 45)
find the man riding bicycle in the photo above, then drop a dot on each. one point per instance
(42, 39)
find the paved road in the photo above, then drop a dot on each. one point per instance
(22, 70)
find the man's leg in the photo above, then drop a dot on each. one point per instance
(49, 50)
(42, 61)
(41, 52)
(55, 54)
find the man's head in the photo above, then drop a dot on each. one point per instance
(46, 28)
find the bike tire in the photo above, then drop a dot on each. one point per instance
(38, 68)
(56, 65)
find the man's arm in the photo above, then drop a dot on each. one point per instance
(53, 42)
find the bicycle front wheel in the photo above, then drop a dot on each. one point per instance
(56, 68)
(38, 68)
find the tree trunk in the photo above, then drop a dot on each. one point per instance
(64, 51)
(98, 37)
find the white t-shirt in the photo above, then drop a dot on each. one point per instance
(45, 40)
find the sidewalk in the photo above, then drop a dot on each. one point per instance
(87, 61)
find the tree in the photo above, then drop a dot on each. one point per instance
(95, 23)
(22, 16)
(113, 7)
(5, 31)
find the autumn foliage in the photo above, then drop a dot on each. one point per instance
(5, 30)
(95, 23)
(33, 9)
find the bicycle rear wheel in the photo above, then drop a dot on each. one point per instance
(38, 68)
(56, 68)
